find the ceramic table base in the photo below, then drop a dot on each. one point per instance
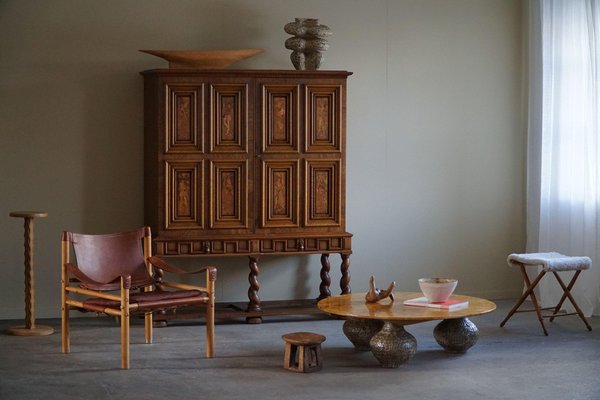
(360, 332)
(393, 346)
(456, 335)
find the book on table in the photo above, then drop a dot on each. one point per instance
(450, 305)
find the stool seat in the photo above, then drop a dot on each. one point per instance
(550, 263)
(303, 351)
(303, 338)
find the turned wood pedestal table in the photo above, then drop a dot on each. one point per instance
(379, 327)
(30, 328)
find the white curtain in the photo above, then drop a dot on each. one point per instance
(563, 179)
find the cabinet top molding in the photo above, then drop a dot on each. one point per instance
(247, 72)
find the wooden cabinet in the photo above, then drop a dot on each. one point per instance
(247, 162)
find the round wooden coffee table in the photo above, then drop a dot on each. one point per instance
(379, 327)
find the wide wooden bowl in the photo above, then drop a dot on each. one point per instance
(207, 59)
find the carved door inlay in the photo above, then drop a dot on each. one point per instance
(280, 118)
(184, 130)
(280, 194)
(229, 196)
(323, 119)
(184, 195)
(229, 126)
(322, 197)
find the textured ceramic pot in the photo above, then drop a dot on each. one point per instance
(456, 335)
(393, 346)
(308, 42)
(360, 332)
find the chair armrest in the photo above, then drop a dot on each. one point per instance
(161, 264)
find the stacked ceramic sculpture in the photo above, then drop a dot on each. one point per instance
(308, 44)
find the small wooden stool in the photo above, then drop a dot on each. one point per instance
(303, 351)
(30, 328)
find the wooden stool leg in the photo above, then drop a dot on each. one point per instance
(529, 291)
(565, 290)
(515, 307)
(536, 305)
(319, 356)
(312, 358)
(567, 293)
(301, 358)
(287, 357)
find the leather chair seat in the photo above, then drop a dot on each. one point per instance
(150, 300)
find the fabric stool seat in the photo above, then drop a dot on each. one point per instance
(549, 262)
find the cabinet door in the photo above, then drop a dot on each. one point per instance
(185, 198)
(229, 118)
(229, 155)
(323, 167)
(184, 130)
(228, 195)
(279, 155)
(279, 119)
(323, 188)
(323, 124)
(182, 166)
(280, 191)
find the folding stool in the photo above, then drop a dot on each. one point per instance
(550, 262)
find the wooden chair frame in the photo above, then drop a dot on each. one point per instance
(530, 292)
(70, 284)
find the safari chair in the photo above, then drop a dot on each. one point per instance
(118, 276)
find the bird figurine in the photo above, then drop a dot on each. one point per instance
(374, 294)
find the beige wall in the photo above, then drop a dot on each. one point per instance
(435, 132)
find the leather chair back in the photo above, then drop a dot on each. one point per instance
(105, 258)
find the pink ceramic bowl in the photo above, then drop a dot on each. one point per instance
(437, 290)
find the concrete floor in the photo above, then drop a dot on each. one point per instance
(514, 362)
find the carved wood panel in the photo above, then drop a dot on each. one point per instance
(229, 194)
(280, 129)
(280, 185)
(184, 200)
(323, 193)
(229, 122)
(181, 247)
(323, 119)
(184, 122)
(221, 246)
